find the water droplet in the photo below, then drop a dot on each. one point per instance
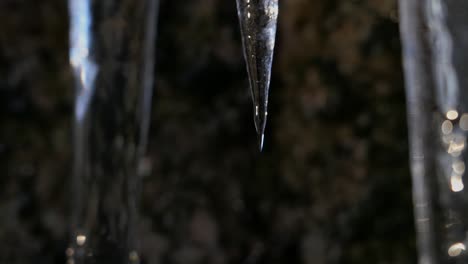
(464, 122)
(456, 146)
(452, 114)
(258, 20)
(133, 257)
(456, 183)
(80, 240)
(69, 252)
(456, 249)
(447, 127)
(458, 167)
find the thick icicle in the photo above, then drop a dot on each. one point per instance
(418, 79)
(433, 34)
(112, 117)
(258, 19)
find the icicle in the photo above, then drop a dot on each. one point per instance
(447, 88)
(419, 84)
(112, 117)
(434, 52)
(258, 19)
(84, 68)
(84, 71)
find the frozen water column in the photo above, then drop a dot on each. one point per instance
(112, 46)
(434, 37)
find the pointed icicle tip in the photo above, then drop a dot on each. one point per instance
(261, 138)
(258, 20)
(260, 119)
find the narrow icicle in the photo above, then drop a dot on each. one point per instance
(419, 96)
(258, 19)
(84, 72)
(84, 68)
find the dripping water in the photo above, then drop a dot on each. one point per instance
(258, 22)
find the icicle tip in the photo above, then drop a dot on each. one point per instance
(261, 138)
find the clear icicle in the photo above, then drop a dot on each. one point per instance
(258, 19)
(84, 71)
(447, 88)
(419, 83)
(83, 66)
(111, 122)
(435, 51)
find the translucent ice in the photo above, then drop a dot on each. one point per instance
(258, 19)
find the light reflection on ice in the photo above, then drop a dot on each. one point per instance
(83, 67)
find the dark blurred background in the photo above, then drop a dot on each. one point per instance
(332, 185)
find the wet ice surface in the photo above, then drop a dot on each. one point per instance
(84, 67)
(84, 70)
(112, 113)
(447, 91)
(258, 20)
(435, 44)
